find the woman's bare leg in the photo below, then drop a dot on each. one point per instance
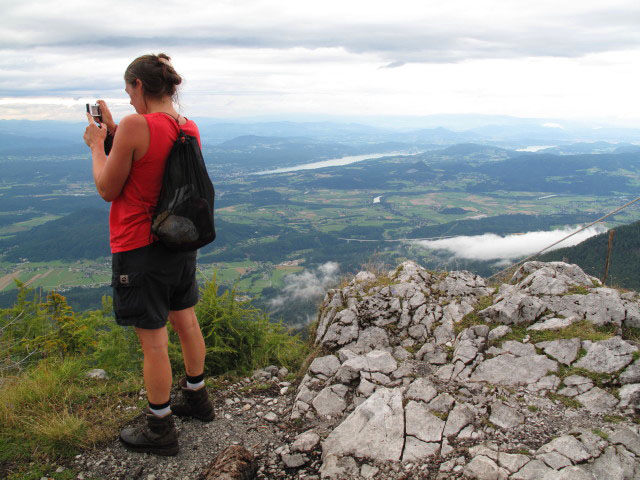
(185, 323)
(157, 368)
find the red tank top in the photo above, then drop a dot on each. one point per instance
(130, 215)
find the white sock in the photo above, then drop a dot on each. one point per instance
(195, 386)
(161, 412)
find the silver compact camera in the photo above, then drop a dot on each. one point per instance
(94, 111)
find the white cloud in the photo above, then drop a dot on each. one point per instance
(542, 59)
(494, 247)
(307, 285)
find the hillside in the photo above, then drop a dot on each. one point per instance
(590, 255)
(435, 375)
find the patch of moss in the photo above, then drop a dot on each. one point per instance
(603, 435)
(441, 415)
(599, 379)
(472, 318)
(532, 408)
(566, 401)
(578, 290)
(583, 329)
(412, 349)
(613, 418)
(631, 333)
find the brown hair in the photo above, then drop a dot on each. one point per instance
(156, 73)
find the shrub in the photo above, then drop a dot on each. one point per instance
(239, 337)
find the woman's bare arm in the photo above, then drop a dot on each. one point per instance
(130, 143)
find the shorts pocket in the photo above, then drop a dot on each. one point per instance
(128, 295)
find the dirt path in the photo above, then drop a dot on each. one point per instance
(8, 279)
(37, 277)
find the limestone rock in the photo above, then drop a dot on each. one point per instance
(607, 356)
(416, 449)
(293, 460)
(555, 460)
(534, 470)
(519, 349)
(569, 446)
(499, 332)
(338, 468)
(575, 385)
(613, 465)
(512, 461)
(514, 308)
(570, 473)
(627, 438)
(422, 424)
(375, 361)
(553, 323)
(508, 369)
(421, 389)
(374, 430)
(461, 416)
(329, 401)
(630, 396)
(597, 400)
(97, 373)
(327, 365)
(565, 351)
(305, 442)
(632, 373)
(483, 468)
(504, 416)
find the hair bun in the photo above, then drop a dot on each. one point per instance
(156, 73)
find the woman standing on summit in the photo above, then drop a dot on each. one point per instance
(151, 284)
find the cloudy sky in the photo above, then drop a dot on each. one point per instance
(553, 59)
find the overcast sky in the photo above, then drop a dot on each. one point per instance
(553, 59)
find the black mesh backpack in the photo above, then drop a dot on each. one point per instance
(183, 217)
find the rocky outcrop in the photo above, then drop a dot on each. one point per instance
(420, 367)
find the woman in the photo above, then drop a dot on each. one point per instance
(150, 283)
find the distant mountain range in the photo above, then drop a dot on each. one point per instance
(33, 136)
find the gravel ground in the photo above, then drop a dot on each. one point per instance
(255, 418)
(258, 419)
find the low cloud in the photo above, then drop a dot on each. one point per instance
(494, 247)
(307, 285)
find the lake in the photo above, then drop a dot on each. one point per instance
(335, 162)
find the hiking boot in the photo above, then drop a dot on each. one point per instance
(158, 436)
(195, 403)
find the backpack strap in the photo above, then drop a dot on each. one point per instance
(181, 134)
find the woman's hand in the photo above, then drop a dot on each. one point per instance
(107, 118)
(94, 135)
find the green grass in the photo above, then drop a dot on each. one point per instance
(566, 401)
(52, 411)
(599, 379)
(613, 418)
(603, 435)
(27, 224)
(472, 318)
(584, 330)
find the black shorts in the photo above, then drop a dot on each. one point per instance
(150, 281)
